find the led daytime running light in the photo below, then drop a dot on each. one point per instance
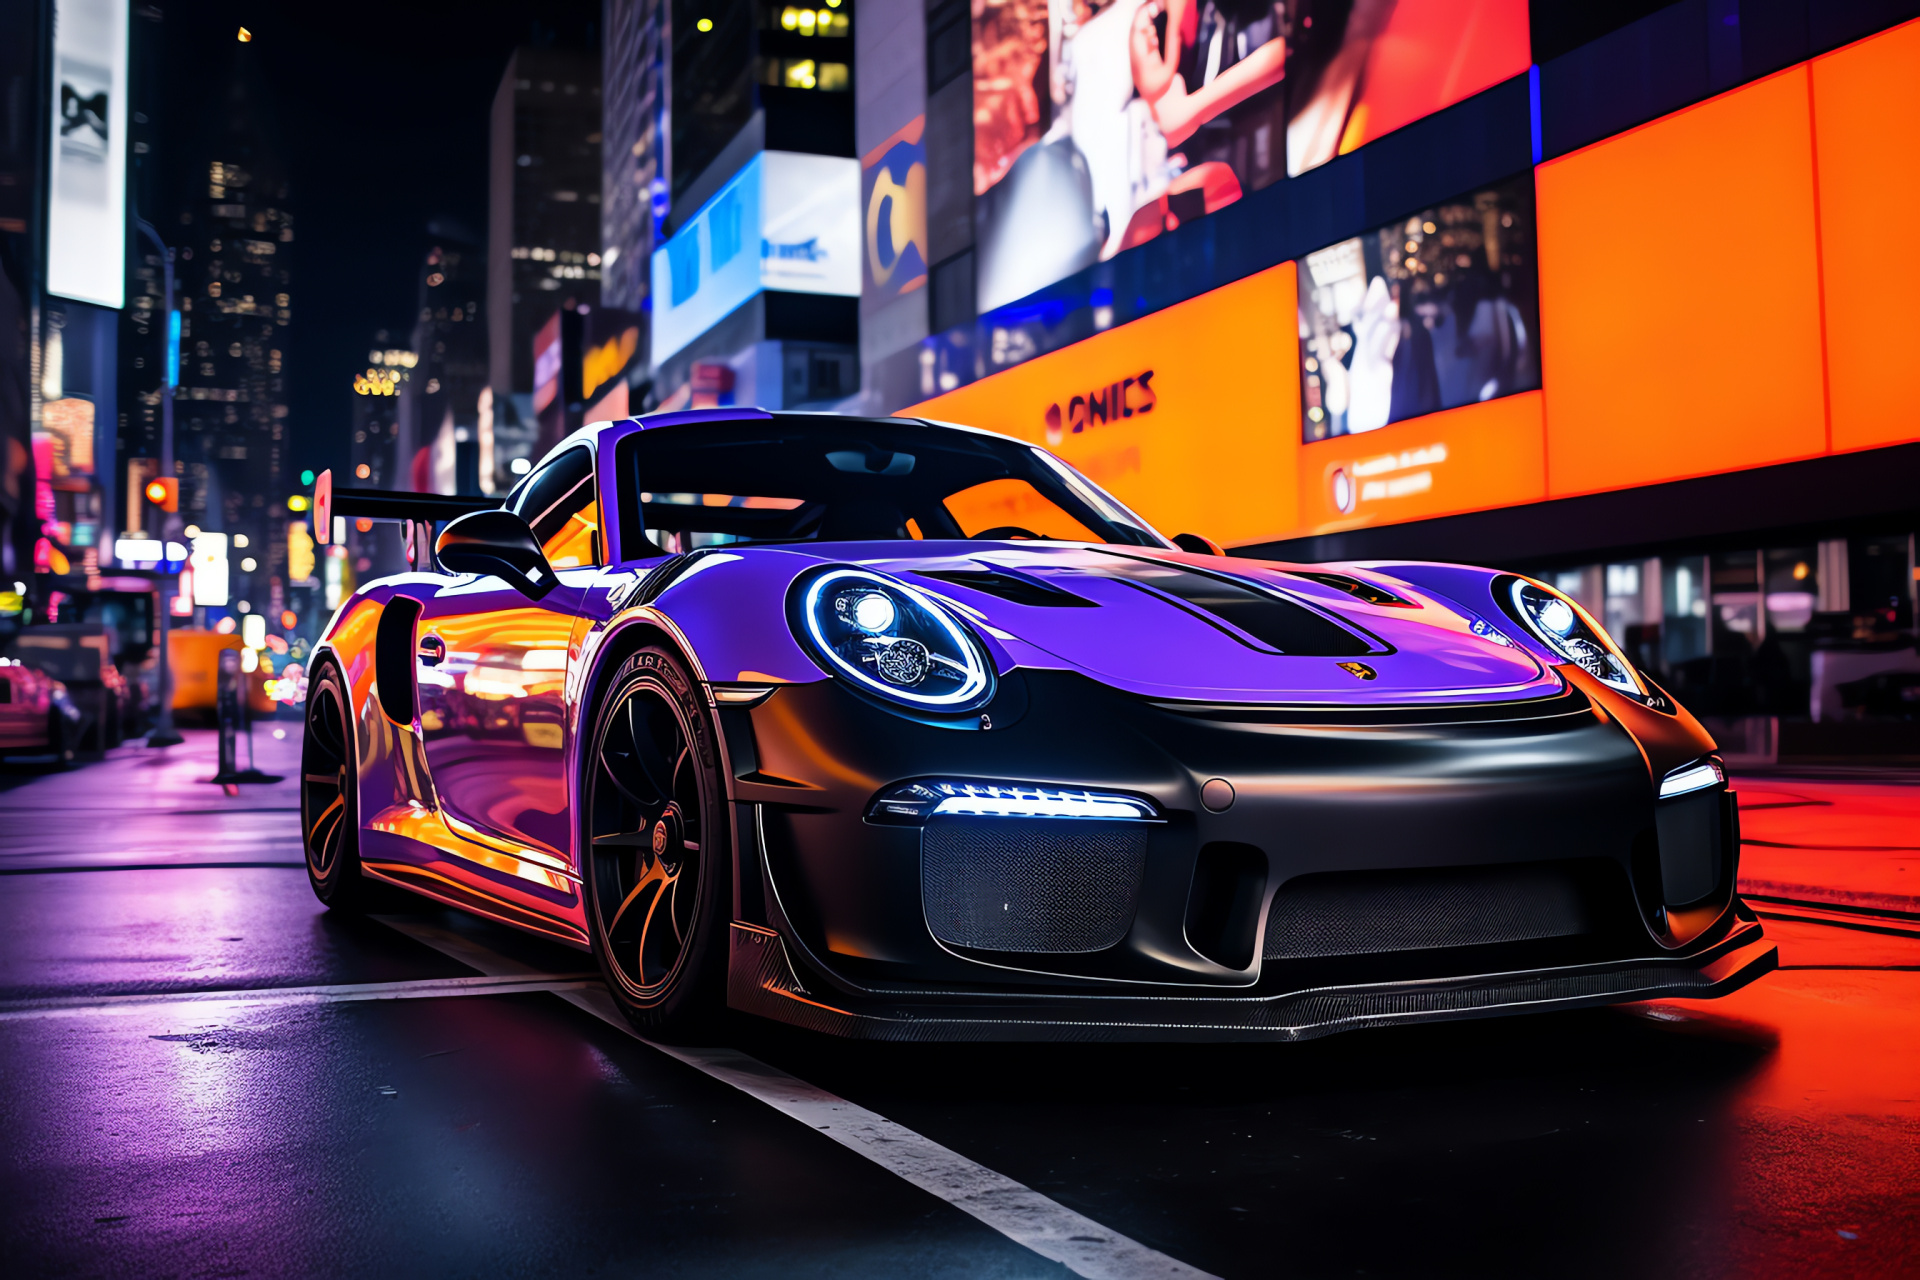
(1697, 776)
(913, 803)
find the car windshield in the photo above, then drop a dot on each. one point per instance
(794, 478)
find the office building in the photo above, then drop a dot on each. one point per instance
(633, 150)
(543, 223)
(444, 430)
(233, 271)
(753, 286)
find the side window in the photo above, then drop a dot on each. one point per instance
(561, 504)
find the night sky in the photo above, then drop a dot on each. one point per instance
(381, 118)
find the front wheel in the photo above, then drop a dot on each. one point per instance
(657, 862)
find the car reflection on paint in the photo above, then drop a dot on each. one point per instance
(897, 729)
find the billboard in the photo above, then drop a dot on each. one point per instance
(1098, 126)
(1186, 415)
(1429, 312)
(87, 158)
(786, 221)
(893, 180)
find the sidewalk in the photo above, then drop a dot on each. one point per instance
(1845, 839)
(147, 807)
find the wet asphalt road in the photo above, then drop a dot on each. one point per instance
(177, 1100)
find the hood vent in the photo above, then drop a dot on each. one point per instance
(1367, 591)
(1008, 586)
(1277, 623)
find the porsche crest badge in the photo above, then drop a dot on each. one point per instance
(1359, 670)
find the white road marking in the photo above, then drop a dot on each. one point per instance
(1018, 1212)
(419, 989)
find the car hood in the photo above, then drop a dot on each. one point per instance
(1178, 626)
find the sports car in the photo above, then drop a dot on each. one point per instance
(905, 730)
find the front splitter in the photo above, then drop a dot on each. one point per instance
(761, 981)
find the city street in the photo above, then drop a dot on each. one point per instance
(206, 1073)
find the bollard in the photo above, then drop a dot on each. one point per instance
(227, 706)
(230, 704)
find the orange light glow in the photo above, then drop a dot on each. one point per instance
(1190, 416)
(1434, 53)
(1720, 198)
(1481, 455)
(1866, 115)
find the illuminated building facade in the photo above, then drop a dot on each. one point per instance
(375, 452)
(1593, 292)
(633, 150)
(750, 225)
(442, 401)
(543, 224)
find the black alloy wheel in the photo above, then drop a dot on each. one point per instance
(657, 868)
(329, 808)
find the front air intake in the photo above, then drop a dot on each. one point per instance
(1031, 885)
(1371, 912)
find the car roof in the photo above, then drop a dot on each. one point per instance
(749, 413)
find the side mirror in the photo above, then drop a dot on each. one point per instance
(499, 543)
(1198, 545)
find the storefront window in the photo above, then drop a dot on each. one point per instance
(1683, 625)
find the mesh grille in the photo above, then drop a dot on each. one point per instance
(1346, 914)
(1045, 885)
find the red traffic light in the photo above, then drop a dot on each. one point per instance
(164, 493)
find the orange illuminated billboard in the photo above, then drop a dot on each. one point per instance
(1191, 415)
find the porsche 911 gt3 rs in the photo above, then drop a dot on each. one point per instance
(904, 730)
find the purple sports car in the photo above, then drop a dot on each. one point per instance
(903, 730)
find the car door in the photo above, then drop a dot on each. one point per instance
(491, 670)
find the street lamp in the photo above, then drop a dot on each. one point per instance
(164, 734)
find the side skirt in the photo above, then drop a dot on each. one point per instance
(441, 889)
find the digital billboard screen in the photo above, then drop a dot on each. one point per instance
(786, 221)
(87, 159)
(1098, 126)
(1433, 311)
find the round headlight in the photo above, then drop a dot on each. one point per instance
(1563, 629)
(892, 640)
(873, 613)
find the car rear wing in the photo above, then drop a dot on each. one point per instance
(387, 504)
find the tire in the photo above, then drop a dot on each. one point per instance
(657, 861)
(329, 796)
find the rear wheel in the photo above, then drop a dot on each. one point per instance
(657, 863)
(329, 807)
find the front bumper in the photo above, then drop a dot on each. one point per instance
(761, 981)
(1352, 817)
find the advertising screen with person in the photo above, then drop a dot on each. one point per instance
(1430, 312)
(1100, 124)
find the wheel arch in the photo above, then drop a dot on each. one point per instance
(630, 632)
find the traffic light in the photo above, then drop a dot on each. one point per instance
(164, 493)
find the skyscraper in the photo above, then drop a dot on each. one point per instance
(754, 200)
(633, 151)
(234, 280)
(543, 222)
(440, 403)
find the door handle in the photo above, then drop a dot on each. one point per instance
(431, 649)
